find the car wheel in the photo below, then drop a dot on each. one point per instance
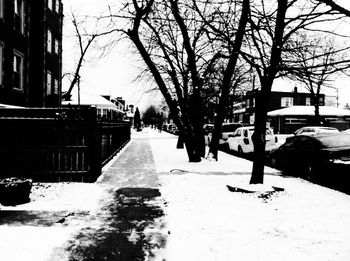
(240, 151)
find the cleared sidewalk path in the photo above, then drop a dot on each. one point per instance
(134, 167)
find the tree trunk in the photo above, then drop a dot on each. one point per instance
(180, 141)
(186, 135)
(197, 121)
(266, 81)
(216, 135)
(259, 140)
(318, 120)
(192, 153)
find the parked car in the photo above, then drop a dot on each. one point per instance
(241, 140)
(228, 129)
(311, 130)
(307, 156)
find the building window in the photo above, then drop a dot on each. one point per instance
(55, 89)
(286, 101)
(295, 121)
(99, 113)
(49, 4)
(18, 71)
(308, 101)
(57, 46)
(57, 6)
(250, 103)
(1, 61)
(19, 16)
(49, 41)
(48, 83)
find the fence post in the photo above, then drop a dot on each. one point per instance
(94, 146)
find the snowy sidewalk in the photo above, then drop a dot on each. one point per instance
(195, 218)
(133, 168)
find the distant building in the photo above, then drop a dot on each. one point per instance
(288, 120)
(244, 110)
(105, 109)
(119, 102)
(31, 52)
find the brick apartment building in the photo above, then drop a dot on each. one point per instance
(31, 52)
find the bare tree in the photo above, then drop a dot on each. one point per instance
(182, 41)
(86, 40)
(234, 41)
(272, 25)
(182, 54)
(336, 7)
(315, 62)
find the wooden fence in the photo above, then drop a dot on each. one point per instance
(58, 144)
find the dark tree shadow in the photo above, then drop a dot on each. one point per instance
(133, 228)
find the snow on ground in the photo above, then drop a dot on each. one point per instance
(208, 222)
(64, 196)
(168, 158)
(28, 239)
(205, 220)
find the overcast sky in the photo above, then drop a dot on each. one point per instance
(115, 74)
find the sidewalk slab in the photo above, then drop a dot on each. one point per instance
(133, 168)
